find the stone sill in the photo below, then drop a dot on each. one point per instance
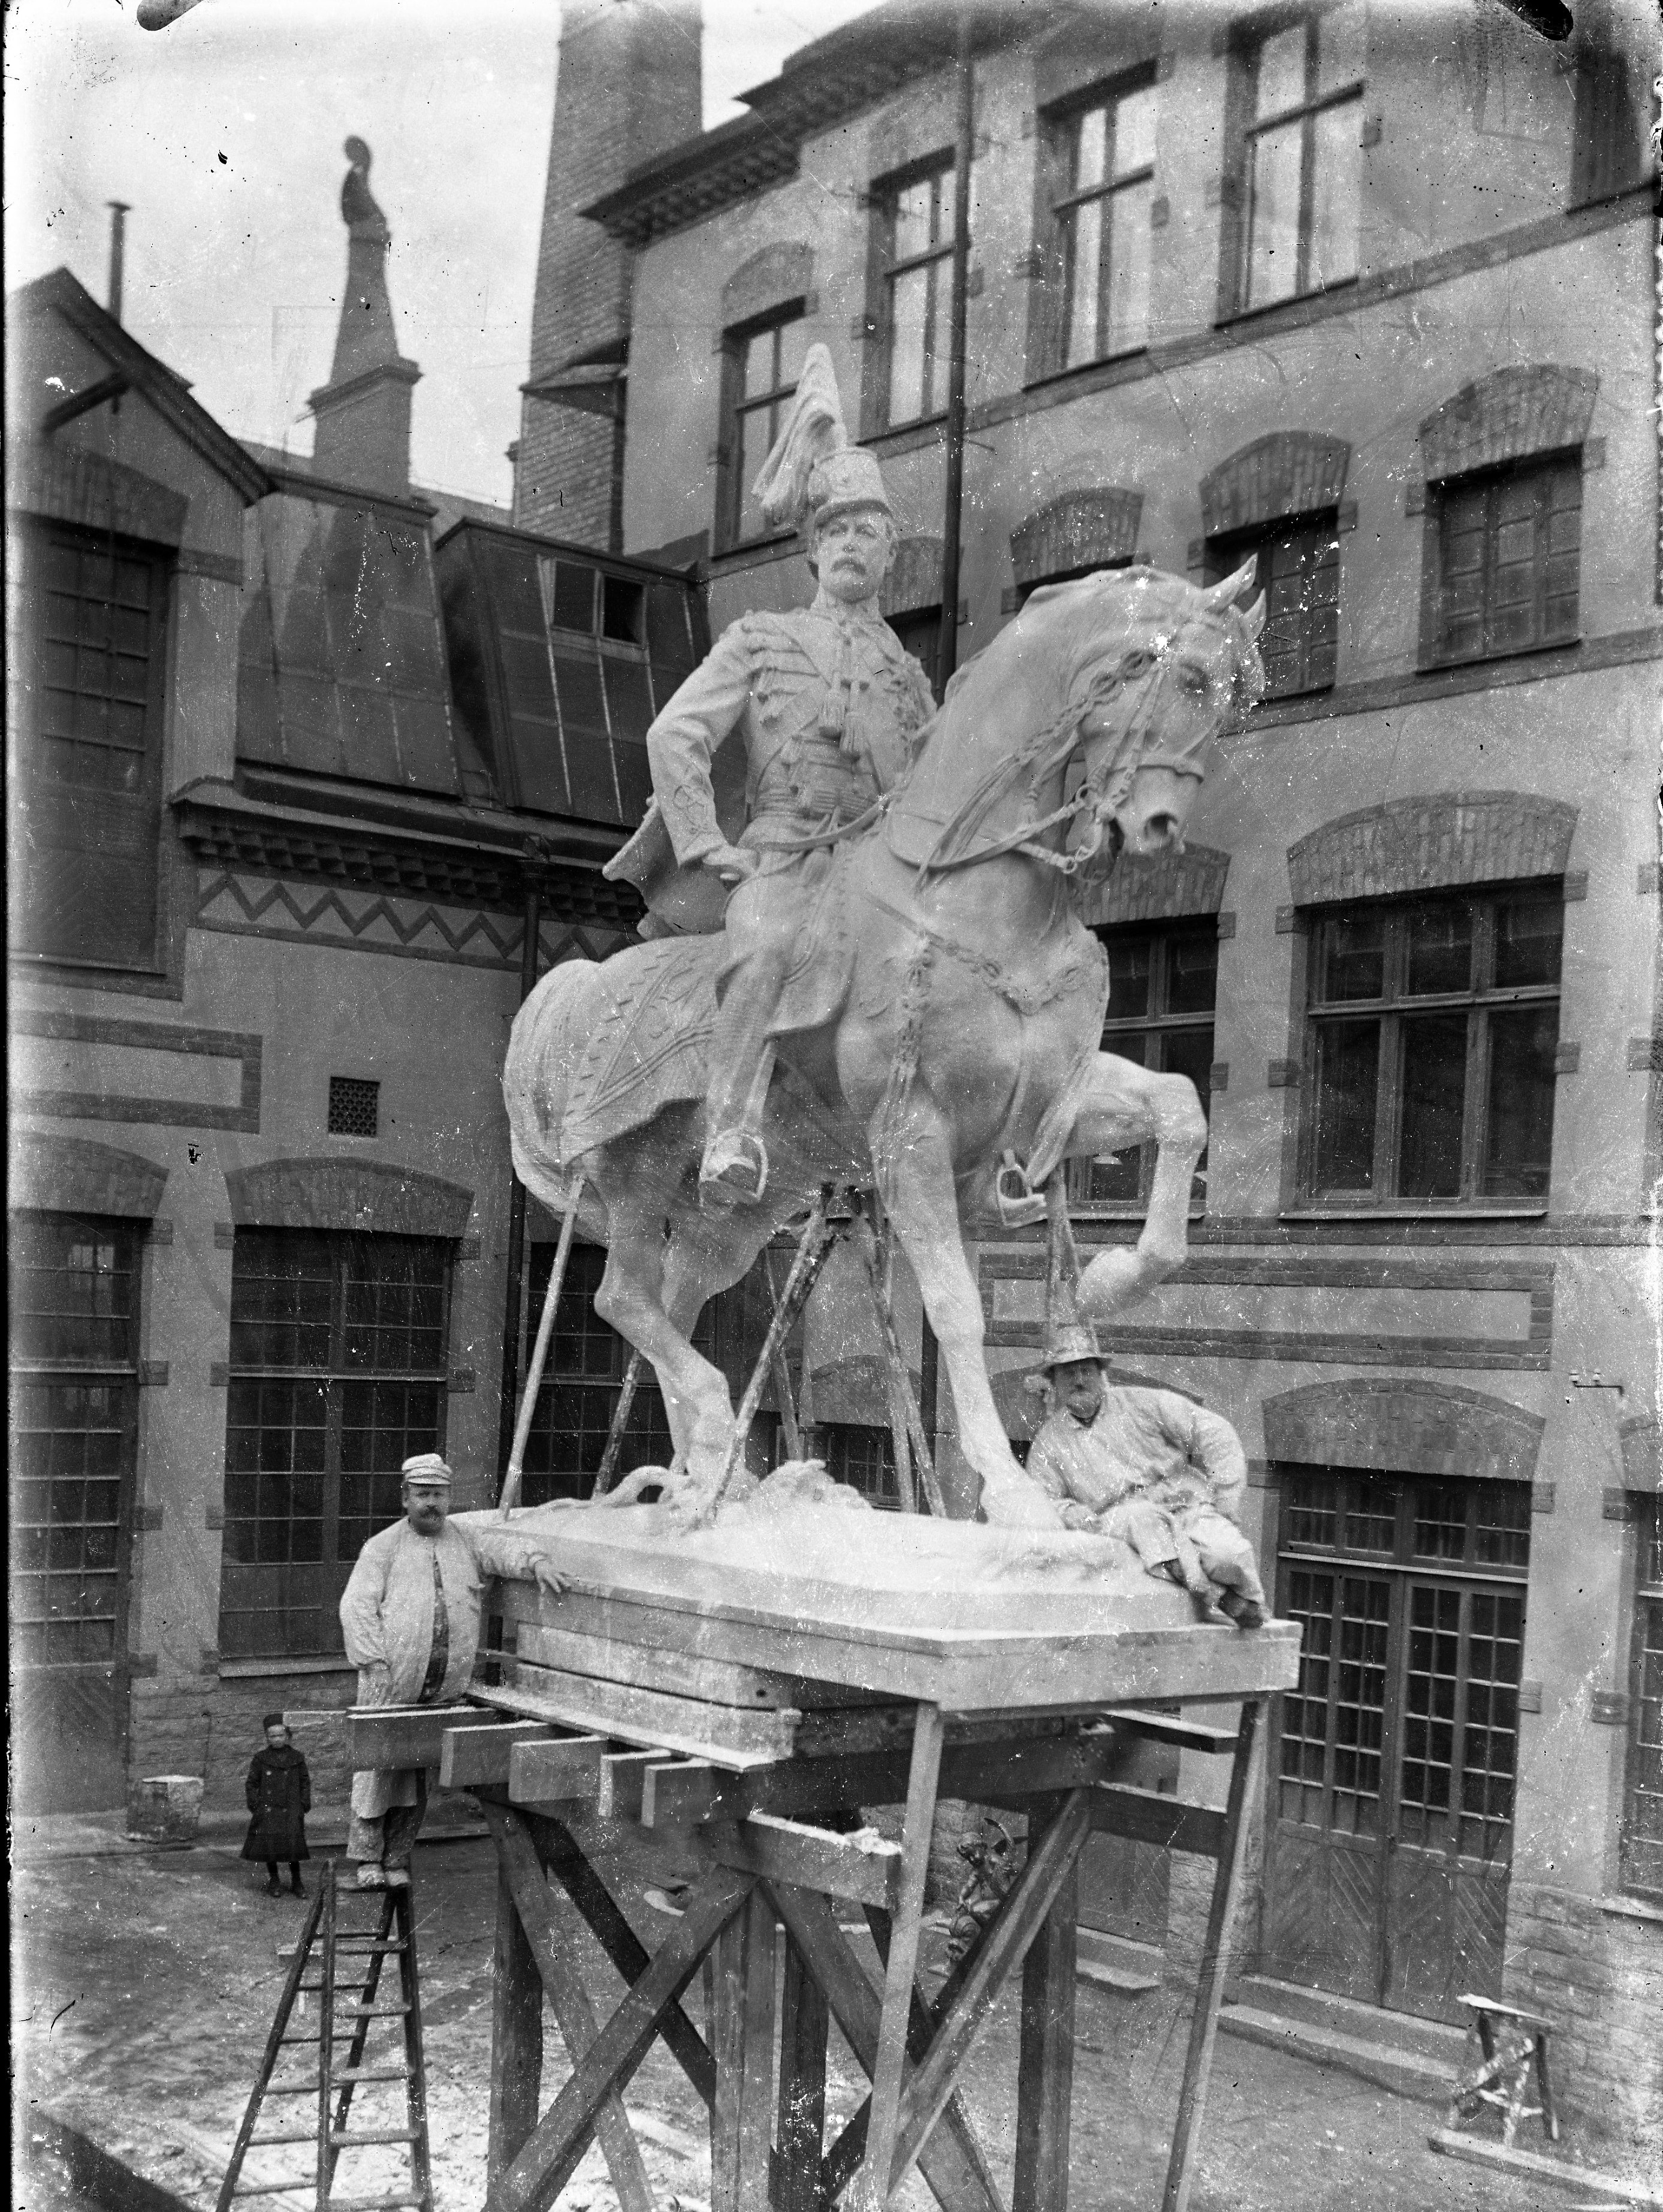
(1630, 1908)
(1413, 1213)
(249, 1670)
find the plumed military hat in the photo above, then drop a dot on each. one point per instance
(812, 472)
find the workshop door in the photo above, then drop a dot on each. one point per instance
(1389, 1828)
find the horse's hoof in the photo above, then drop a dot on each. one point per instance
(734, 1170)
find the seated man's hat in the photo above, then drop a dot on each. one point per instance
(1066, 1341)
(426, 1467)
(812, 471)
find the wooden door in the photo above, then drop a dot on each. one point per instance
(1389, 1833)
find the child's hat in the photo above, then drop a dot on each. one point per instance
(274, 1720)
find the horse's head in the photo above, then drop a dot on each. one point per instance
(1152, 668)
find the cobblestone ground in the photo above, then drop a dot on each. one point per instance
(143, 1987)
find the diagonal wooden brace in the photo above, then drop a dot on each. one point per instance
(561, 1977)
(952, 2161)
(1020, 1919)
(561, 2137)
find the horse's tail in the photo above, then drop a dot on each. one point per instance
(547, 1036)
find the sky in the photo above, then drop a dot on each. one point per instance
(224, 132)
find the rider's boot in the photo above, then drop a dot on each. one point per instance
(735, 1168)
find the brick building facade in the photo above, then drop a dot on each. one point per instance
(1367, 297)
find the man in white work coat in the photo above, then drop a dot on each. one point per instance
(409, 1614)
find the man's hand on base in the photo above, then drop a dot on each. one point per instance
(548, 1574)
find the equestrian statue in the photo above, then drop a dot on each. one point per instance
(864, 963)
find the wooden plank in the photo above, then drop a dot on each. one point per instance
(870, 2191)
(468, 1756)
(865, 1870)
(1168, 1727)
(952, 2160)
(675, 1793)
(559, 1852)
(717, 1681)
(554, 1769)
(654, 1717)
(1041, 1883)
(1045, 2069)
(1587, 2181)
(560, 1976)
(516, 2035)
(622, 1775)
(402, 1736)
(742, 2034)
(800, 2127)
(557, 2144)
(1145, 1816)
(1215, 1955)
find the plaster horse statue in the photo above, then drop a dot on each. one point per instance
(941, 1044)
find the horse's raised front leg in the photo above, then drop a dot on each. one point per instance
(631, 1298)
(1127, 1105)
(923, 1206)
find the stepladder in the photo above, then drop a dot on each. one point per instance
(344, 2057)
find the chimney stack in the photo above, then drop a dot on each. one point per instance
(119, 213)
(362, 413)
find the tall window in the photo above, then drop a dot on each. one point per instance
(919, 630)
(1163, 984)
(1642, 1814)
(1508, 560)
(1432, 1033)
(87, 711)
(74, 1337)
(863, 1456)
(1298, 571)
(1301, 161)
(338, 1377)
(915, 230)
(1105, 170)
(763, 364)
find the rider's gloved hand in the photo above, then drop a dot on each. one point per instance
(730, 862)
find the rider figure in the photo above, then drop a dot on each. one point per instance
(829, 705)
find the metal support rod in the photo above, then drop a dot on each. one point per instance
(963, 149)
(782, 1373)
(119, 211)
(620, 1421)
(901, 1387)
(541, 1350)
(529, 952)
(816, 1241)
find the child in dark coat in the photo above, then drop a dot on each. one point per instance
(279, 1795)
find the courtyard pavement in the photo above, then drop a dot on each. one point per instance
(144, 1982)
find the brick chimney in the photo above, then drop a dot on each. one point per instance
(629, 88)
(362, 413)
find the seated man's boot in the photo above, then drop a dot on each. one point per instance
(1245, 1612)
(735, 1168)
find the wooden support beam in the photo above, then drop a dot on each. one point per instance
(1168, 1727)
(556, 1769)
(557, 2144)
(1215, 1955)
(952, 2161)
(717, 1681)
(516, 2035)
(691, 1725)
(1020, 1918)
(1144, 1816)
(622, 1774)
(742, 2031)
(402, 1736)
(554, 1957)
(863, 1869)
(560, 1853)
(675, 1793)
(470, 1756)
(800, 2128)
(1045, 2071)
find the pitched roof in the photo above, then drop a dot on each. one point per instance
(162, 387)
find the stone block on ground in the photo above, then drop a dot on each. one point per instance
(165, 1809)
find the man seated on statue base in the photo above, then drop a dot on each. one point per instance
(1151, 1466)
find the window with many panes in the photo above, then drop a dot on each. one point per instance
(338, 1376)
(1297, 569)
(1301, 96)
(1643, 1811)
(920, 632)
(73, 1292)
(863, 1456)
(1102, 168)
(1163, 984)
(1432, 1029)
(914, 252)
(86, 693)
(763, 362)
(1507, 546)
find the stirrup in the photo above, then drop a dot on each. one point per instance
(734, 1166)
(1019, 1205)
